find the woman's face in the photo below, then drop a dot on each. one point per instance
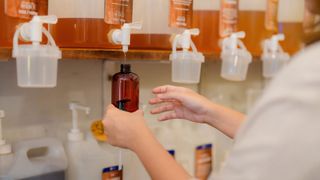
(313, 6)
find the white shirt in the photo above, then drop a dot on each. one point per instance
(281, 138)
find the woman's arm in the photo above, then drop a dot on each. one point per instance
(129, 130)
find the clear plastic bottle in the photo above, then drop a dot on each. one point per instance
(14, 12)
(125, 89)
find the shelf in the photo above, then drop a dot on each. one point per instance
(106, 54)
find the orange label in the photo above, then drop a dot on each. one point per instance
(25, 9)
(203, 161)
(112, 173)
(271, 19)
(228, 17)
(118, 11)
(181, 12)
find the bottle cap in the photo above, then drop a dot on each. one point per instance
(125, 68)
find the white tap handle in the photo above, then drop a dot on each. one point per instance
(32, 31)
(194, 32)
(51, 19)
(239, 35)
(278, 37)
(135, 25)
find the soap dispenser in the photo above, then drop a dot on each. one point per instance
(6, 156)
(273, 57)
(123, 36)
(186, 65)
(235, 58)
(87, 158)
(36, 63)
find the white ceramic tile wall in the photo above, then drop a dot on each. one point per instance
(25, 108)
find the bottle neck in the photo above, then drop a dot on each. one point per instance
(125, 68)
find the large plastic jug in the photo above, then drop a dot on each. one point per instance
(42, 158)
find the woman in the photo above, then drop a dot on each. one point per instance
(280, 139)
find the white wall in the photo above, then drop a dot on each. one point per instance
(77, 81)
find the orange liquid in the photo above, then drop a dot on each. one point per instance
(92, 33)
(82, 33)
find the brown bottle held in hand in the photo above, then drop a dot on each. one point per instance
(125, 89)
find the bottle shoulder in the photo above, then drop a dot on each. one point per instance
(131, 76)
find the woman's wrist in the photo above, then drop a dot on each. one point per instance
(143, 137)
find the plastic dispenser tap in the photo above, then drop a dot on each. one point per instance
(235, 57)
(122, 36)
(186, 65)
(4, 148)
(273, 57)
(36, 63)
(75, 134)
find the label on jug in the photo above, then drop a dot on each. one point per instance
(228, 19)
(112, 173)
(203, 161)
(118, 11)
(181, 12)
(271, 15)
(25, 9)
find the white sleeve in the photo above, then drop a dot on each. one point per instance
(281, 138)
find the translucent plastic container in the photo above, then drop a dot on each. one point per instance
(36, 64)
(235, 66)
(235, 58)
(273, 57)
(186, 67)
(272, 65)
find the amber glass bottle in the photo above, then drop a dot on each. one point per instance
(125, 89)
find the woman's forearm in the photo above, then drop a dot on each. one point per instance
(157, 161)
(225, 120)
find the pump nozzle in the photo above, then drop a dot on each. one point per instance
(4, 148)
(123, 36)
(75, 134)
(32, 31)
(272, 44)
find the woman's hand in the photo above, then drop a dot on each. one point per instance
(124, 129)
(181, 103)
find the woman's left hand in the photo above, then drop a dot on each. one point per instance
(124, 129)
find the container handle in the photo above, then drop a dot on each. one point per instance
(16, 41)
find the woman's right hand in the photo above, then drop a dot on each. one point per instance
(180, 103)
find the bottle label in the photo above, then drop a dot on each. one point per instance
(271, 17)
(203, 161)
(112, 173)
(25, 9)
(181, 12)
(228, 17)
(118, 11)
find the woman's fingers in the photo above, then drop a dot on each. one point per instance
(157, 100)
(163, 108)
(169, 116)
